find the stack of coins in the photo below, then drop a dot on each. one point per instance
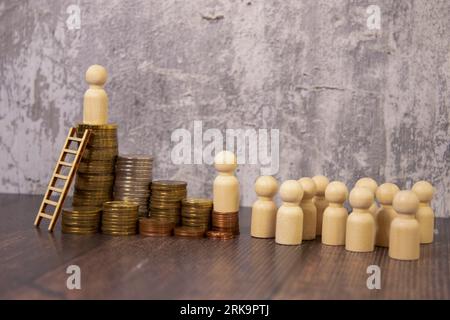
(165, 201)
(81, 220)
(219, 235)
(133, 180)
(95, 175)
(153, 227)
(196, 212)
(119, 218)
(190, 232)
(225, 222)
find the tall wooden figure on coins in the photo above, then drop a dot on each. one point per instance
(226, 195)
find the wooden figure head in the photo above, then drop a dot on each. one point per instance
(225, 161)
(96, 75)
(321, 184)
(386, 193)
(406, 202)
(291, 191)
(367, 182)
(336, 192)
(424, 191)
(266, 186)
(309, 187)
(361, 198)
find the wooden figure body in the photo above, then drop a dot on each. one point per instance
(404, 238)
(385, 195)
(319, 200)
(425, 214)
(289, 226)
(372, 186)
(264, 210)
(95, 104)
(360, 236)
(335, 215)
(308, 208)
(226, 196)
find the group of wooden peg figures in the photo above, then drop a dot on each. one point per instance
(382, 215)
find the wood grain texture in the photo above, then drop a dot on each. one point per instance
(33, 264)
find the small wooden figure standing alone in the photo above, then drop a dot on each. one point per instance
(226, 196)
(95, 104)
(360, 235)
(264, 210)
(425, 214)
(289, 227)
(308, 208)
(386, 214)
(319, 200)
(335, 215)
(404, 238)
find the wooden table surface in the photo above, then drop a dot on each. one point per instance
(33, 265)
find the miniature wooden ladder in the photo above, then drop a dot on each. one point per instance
(52, 189)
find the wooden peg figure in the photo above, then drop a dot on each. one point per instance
(385, 195)
(226, 195)
(335, 215)
(319, 200)
(95, 104)
(308, 208)
(289, 228)
(425, 214)
(372, 185)
(360, 236)
(404, 238)
(264, 210)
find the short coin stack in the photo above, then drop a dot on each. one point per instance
(190, 232)
(95, 175)
(153, 227)
(165, 201)
(227, 222)
(81, 220)
(196, 212)
(119, 218)
(218, 235)
(133, 180)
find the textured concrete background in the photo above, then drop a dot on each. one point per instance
(348, 101)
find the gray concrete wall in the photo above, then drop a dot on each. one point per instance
(348, 101)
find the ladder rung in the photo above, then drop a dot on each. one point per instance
(63, 163)
(55, 189)
(60, 176)
(75, 139)
(44, 215)
(53, 203)
(70, 151)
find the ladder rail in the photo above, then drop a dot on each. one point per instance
(82, 144)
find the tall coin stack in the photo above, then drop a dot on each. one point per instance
(81, 220)
(95, 175)
(133, 180)
(196, 212)
(120, 218)
(227, 222)
(165, 201)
